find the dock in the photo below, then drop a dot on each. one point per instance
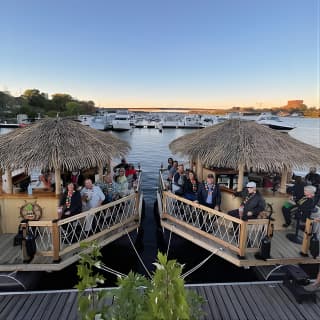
(256, 300)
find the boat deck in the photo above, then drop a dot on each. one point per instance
(283, 251)
(257, 301)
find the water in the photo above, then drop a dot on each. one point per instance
(149, 147)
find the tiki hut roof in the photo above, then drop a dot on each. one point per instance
(235, 142)
(59, 143)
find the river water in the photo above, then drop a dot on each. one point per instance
(149, 147)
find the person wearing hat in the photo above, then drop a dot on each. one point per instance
(209, 193)
(251, 205)
(305, 206)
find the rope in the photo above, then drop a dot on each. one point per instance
(135, 250)
(278, 267)
(199, 265)
(103, 267)
(169, 242)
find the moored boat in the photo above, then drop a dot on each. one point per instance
(274, 122)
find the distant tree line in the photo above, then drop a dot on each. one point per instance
(32, 102)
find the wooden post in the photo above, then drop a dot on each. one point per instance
(240, 177)
(284, 177)
(199, 170)
(100, 173)
(55, 241)
(306, 238)
(243, 238)
(57, 176)
(164, 204)
(8, 177)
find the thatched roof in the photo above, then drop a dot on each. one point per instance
(59, 143)
(234, 142)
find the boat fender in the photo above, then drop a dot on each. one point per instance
(31, 246)
(265, 248)
(314, 246)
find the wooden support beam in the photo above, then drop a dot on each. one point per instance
(306, 237)
(240, 177)
(8, 178)
(55, 241)
(243, 238)
(284, 178)
(57, 177)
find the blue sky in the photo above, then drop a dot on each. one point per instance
(163, 53)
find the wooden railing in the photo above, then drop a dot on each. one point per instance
(55, 238)
(237, 235)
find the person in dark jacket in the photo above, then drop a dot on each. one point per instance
(305, 205)
(297, 190)
(191, 187)
(251, 205)
(209, 193)
(70, 203)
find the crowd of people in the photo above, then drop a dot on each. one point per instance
(185, 183)
(82, 194)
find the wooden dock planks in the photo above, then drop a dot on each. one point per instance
(256, 301)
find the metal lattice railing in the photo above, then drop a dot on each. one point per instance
(238, 235)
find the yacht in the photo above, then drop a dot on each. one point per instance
(274, 122)
(208, 120)
(100, 122)
(121, 121)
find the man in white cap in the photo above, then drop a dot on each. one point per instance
(251, 205)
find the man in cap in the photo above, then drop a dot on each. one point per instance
(251, 205)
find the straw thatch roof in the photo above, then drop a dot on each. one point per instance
(59, 143)
(235, 142)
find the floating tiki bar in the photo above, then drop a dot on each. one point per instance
(237, 147)
(56, 145)
(247, 146)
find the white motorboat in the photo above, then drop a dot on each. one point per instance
(274, 122)
(100, 122)
(121, 121)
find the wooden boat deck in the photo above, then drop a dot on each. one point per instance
(264, 300)
(11, 256)
(283, 251)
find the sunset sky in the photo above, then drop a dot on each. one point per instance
(168, 53)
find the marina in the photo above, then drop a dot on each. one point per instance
(224, 245)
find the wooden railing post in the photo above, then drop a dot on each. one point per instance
(243, 238)
(306, 238)
(164, 204)
(55, 241)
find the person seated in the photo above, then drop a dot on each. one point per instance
(70, 202)
(178, 181)
(209, 193)
(297, 190)
(122, 164)
(108, 188)
(251, 205)
(131, 174)
(313, 178)
(191, 187)
(304, 206)
(121, 184)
